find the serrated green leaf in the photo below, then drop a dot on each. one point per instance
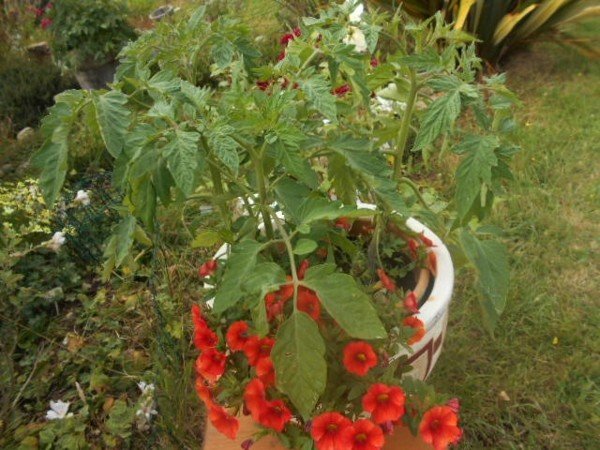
(206, 238)
(181, 154)
(350, 307)
(113, 120)
(240, 263)
(318, 92)
(314, 209)
(474, 171)
(490, 258)
(305, 246)
(438, 118)
(52, 159)
(197, 96)
(299, 360)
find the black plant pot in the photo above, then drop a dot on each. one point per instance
(96, 76)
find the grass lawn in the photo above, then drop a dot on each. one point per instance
(537, 383)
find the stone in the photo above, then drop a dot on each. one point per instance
(25, 135)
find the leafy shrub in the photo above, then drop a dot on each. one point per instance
(27, 88)
(88, 32)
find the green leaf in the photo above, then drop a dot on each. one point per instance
(113, 120)
(474, 171)
(52, 159)
(350, 307)
(490, 258)
(318, 92)
(438, 118)
(299, 360)
(265, 277)
(206, 238)
(197, 96)
(314, 209)
(305, 246)
(181, 157)
(240, 264)
(124, 234)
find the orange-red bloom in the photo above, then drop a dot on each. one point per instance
(343, 223)
(204, 392)
(208, 268)
(342, 90)
(428, 242)
(327, 430)
(362, 435)
(237, 336)
(304, 265)
(387, 282)
(275, 415)
(432, 263)
(309, 303)
(439, 427)
(265, 371)
(385, 403)
(255, 397)
(419, 327)
(275, 301)
(211, 364)
(413, 246)
(410, 302)
(197, 318)
(225, 423)
(359, 358)
(256, 348)
(205, 338)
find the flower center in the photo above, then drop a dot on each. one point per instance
(361, 437)
(435, 424)
(277, 409)
(361, 357)
(332, 427)
(265, 349)
(382, 398)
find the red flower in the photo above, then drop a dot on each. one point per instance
(205, 338)
(46, 22)
(225, 423)
(432, 263)
(327, 430)
(280, 57)
(359, 358)
(204, 392)
(197, 318)
(343, 223)
(304, 265)
(413, 246)
(211, 364)
(385, 403)
(374, 62)
(256, 349)
(410, 302)
(275, 415)
(439, 427)
(418, 325)
(297, 32)
(428, 242)
(286, 38)
(255, 397)
(265, 371)
(342, 90)
(275, 301)
(362, 435)
(237, 336)
(309, 303)
(208, 268)
(263, 85)
(388, 283)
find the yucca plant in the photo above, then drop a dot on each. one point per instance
(502, 25)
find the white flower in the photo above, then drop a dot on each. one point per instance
(82, 198)
(326, 121)
(146, 411)
(384, 105)
(57, 241)
(58, 410)
(146, 388)
(356, 15)
(356, 38)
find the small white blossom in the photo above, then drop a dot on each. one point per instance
(146, 388)
(356, 38)
(326, 121)
(58, 410)
(146, 411)
(57, 241)
(82, 198)
(356, 15)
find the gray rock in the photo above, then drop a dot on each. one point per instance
(25, 135)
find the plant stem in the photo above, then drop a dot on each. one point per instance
(405, 125)
(215, 175)
(257, 160)
(415, 189)
(288, 245)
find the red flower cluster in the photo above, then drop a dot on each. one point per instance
(359, 358)
(208, 268)
(286, 39)
(342, 90)
(439, 427)
(272, 414)
(418, 325)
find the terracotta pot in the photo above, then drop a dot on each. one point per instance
(401, 439)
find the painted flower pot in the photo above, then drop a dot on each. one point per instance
(433, 312)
